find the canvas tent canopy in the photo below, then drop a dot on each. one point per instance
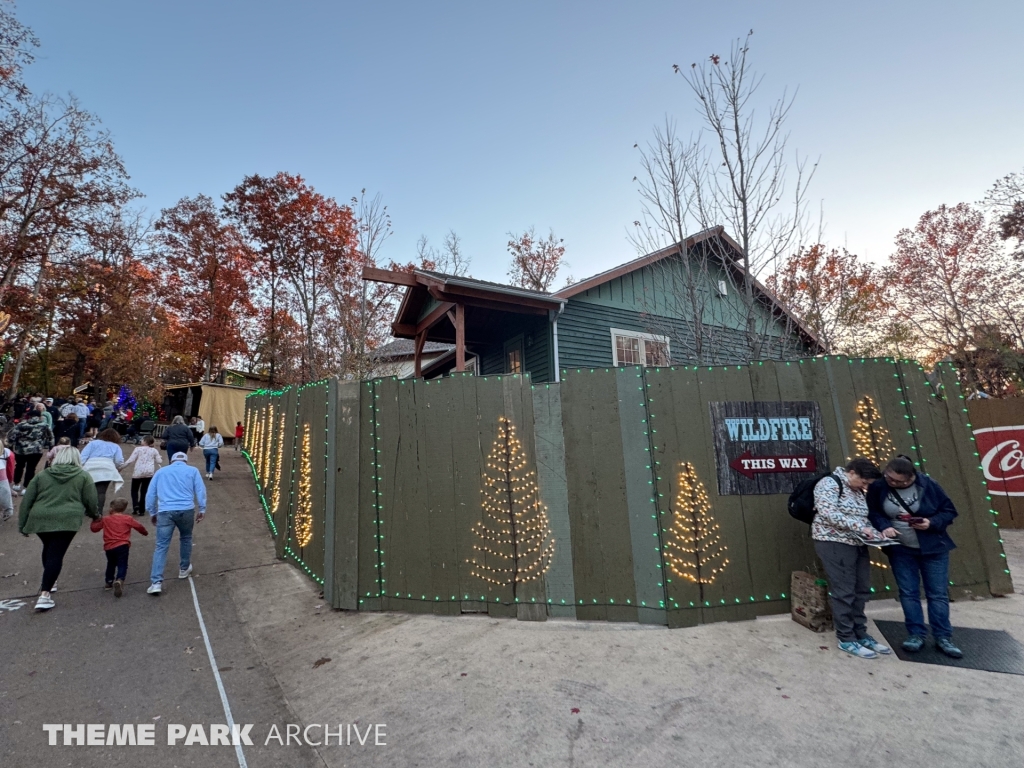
(220, 405)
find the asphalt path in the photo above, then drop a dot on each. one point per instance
(140, 659)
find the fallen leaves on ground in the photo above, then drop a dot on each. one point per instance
(320, 662)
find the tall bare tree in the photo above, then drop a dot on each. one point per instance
(734, 172)
(449, 258)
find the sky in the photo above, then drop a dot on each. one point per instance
(492, 117)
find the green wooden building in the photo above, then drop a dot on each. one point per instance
(678, 305)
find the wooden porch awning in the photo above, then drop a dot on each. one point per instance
(454, 310)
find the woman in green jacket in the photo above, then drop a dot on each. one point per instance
(53, 507)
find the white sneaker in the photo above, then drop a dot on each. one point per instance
(854, 648)
(17, 488)
(155, 589)
(44, 603)
(184, 574)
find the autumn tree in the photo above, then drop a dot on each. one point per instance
(206, 270)
(16, 51)
(535, 261)
(840, 298)
(56, 169)
(948, 280)
(112, 323)
(304, 239)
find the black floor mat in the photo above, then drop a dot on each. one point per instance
(992, 650)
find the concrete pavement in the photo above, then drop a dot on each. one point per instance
(139, 659)
(470, 690)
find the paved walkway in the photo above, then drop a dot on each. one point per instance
(470, 690)
(140, 659)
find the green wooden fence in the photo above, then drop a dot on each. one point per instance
(377, 489)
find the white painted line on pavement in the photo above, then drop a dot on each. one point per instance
(216, 673)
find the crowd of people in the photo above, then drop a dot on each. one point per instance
(65, 457)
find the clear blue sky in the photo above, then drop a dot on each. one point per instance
(488, 117)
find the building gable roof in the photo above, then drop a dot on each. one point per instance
(730, 262)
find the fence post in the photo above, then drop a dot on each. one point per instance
(330, 491)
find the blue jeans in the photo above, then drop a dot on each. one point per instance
(211, 455)
(166, 522)
(910, 568)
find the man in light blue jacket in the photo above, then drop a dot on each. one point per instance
(173, 496)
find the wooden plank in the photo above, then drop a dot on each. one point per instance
(367, 461)
(987, 530)
(578, 414)
(550, 451)
(438, 415)
(288, 404)
(634, 425)
(615, 550)
(389, 470)
(493, 402)
(347, 455)
(468, 454)
(674, 400)
(519, 399)
(941, 461)
(410, 527)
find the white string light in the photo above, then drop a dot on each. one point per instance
(514, 540)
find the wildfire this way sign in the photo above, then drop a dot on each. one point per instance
(766, 447)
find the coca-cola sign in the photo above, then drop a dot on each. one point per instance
(1002, 459)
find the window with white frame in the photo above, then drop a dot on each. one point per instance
(633, 348)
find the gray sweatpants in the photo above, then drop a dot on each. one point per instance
(849, 586)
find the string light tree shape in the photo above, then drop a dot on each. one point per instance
(514, 543)
(870, 437)
(303, 524)
(275, 501)
(693, 545)
(871, 440)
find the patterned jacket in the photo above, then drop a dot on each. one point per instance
(840, 517)
(31, 436)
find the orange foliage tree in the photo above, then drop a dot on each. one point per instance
(306, 242)
(839, 297)
(205, 276)
(949, 281)
(535, 261)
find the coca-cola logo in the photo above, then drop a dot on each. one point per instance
(1002, 459)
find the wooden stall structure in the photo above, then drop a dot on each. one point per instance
(601, 497)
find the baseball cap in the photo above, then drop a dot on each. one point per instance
(179, 456)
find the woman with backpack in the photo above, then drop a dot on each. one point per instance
(840, 529)
(29, 440)
(914, 510)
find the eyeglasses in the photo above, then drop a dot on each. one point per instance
(898, 482)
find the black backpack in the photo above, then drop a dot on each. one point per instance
(801, 500)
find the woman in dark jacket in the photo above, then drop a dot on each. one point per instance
(912, 508)
(179, 437)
